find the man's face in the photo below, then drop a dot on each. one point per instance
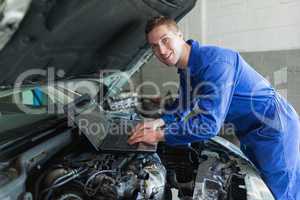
(166, 44)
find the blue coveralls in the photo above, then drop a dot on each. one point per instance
(219, 87)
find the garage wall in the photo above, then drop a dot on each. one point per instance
(251, 25)
(266, 32)
(282, 69)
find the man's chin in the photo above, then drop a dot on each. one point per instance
(167, 62)
(170, 63)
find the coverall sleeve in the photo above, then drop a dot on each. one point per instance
(211, 100)
(171, 112)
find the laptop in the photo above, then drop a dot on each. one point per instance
(105, 133)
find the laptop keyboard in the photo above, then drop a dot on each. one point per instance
(112, 134)
(118, 134)
(118, 141)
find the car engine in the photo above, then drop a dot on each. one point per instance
(201, 171)
(103, 177)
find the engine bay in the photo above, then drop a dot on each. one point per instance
(103, 176)
(198, 171)
(190, 172)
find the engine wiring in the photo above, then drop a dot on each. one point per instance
(102, 176)
(87, 189)
(74, 173)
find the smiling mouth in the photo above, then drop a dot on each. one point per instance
(166, 58)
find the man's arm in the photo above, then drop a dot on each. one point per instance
(205, 120)
(210, 106)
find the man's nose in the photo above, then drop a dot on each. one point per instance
(162, 49)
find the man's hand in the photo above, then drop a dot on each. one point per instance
(148, 136)
(153, 124)
(147, 132)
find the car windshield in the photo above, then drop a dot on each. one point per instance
(30, 105)
(26, 109)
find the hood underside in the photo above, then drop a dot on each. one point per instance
(82, 36)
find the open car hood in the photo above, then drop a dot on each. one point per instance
(82, 37)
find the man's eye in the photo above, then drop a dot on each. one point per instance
(166, 40)
(154, 46)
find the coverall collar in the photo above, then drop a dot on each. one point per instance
(193, 58)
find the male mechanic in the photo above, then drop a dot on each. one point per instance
(217, 86)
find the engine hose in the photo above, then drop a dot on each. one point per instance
(125, 161)
(58, 182)
(37, 186)
(94, 175)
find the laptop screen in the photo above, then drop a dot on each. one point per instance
(105, 132)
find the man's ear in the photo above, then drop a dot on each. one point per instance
(180, 34)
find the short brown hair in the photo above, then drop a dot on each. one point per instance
(160, 20)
